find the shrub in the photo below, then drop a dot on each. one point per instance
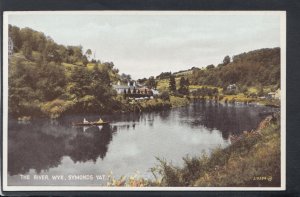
(165, 96)
(56, 108)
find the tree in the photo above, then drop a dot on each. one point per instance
(187, 82)
(182, 82)
(209, 67)
(14, 33)
(164, 95)
(88, 53)
(164, 75)
(151, 83)
(125, 78)
(27, 50)
(183, 89)
(172, 84)
(51, 80)
(226, 60)
(142, 81)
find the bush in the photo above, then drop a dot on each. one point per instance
(56, 108)
(165, 96)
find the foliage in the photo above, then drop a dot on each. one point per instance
(205, 91)
(51, 79)
(56, 107)
(125, 78)
(164, 75)
(28, 40)
(226, 60)
(184, 86)
(259, 67)
(172, 84)
(209, 67)
(164, 96)
(151, 83)
(178, 102)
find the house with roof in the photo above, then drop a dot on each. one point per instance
(122, 88)
(136, 90)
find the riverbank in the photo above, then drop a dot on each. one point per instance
(252, 160)
(160, 104)
(58, 108)
(240, 99)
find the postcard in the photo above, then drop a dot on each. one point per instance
(144, 100)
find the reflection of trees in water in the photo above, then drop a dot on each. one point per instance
(225, 118)
(85, 147)
(30, 148)
(165, 115)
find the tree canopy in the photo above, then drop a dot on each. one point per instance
(52, 79)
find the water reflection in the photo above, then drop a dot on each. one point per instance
(227, 118)
(37, 147)
(131, 141)
(90, 145)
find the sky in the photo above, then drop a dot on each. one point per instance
(144, 44)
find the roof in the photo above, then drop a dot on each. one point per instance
(120, 86)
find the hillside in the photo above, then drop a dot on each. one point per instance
(46, 78)
(255, 68)
(256, 72)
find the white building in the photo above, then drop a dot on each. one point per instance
(120, 88)
(155, 92)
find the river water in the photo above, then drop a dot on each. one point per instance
(44, 149)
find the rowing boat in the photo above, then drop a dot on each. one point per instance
(89, 123)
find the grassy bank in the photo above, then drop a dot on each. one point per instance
(253, 159)
(156, 104)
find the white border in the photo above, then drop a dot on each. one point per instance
(282, 15)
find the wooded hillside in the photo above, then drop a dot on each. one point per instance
(46, 78)
(255, 68)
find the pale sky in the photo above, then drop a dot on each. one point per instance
(147, 44)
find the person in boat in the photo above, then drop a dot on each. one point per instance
(85, 121)
(100, 121)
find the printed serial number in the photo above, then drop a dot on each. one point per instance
(263, 178)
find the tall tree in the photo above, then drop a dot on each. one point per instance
(88, 53)
(27, 50)
(226, 60)
(183, 89)
(14, 33)
(172, 83)
(151, 83)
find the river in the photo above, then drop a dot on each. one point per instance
(129, 145)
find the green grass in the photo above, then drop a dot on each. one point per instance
(163, 85)
(178, 102)
(195, 87)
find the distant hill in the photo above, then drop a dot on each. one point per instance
(255, 68)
